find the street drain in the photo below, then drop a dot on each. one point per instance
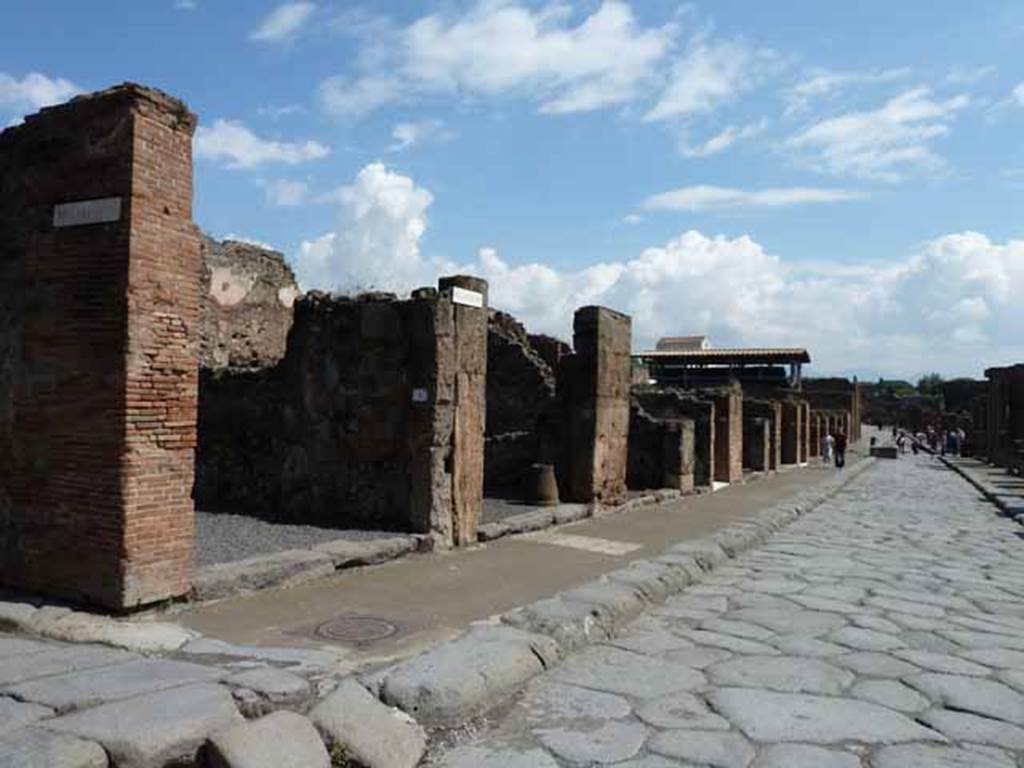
(356, 630)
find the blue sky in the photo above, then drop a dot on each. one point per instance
(849, 177)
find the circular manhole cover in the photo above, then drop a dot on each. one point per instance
(356, 629)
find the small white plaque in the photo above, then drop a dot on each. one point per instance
(420, 396)
(467, 297)
(83, 212)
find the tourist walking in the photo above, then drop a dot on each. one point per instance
(827, 444)
(840, 448)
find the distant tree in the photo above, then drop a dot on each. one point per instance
(930, 384)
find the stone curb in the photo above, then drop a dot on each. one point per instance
(1002, 501)
(542, 518)
(486, 666)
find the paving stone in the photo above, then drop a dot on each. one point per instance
(570, 623)
(281, 569)
(919, 640)
(737, 628)
(274, 689)
(712, 748)
(681, 710)
(892, 694)
(610, 742)
(934, 756)
(804, 756)
(698, 658)
(1004, 658)
(649, 761)
(906, 606)
(154, 729)
(799, 645)
(865, 639)
(965, 727)
(655, 581)
(623, 602)
(467, 676)
(299, 660)
(37, 748)
(346, 553)
(496, 757)
(59, 659)
(278, 740)
(876, 623)
(809, 623)
(140, 636)
(15, 714)
(651, 642)
(549, 702)
(972, 694)
(727, 642)
(976, 640)
(781, 673)
(375, 735)
(616, 671)
(939, 662)
(89, 687)
(771, 717)
(17, 646)
(875, 664)
(1012, 677)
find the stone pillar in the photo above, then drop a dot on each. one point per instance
(815, 435)
(661, 452)
(729, 435)
(805, 431)
(99, 307)
(593, 386)
(791, 430)
(468, 296)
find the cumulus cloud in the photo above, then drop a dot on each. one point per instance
(284, 22)
(230, 142)
(884, 144)
(33, 92)
(1018, 95)
(504, 48)
(951, 304)
(410, 134)
(710, 198)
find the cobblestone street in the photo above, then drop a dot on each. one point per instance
(885, 629)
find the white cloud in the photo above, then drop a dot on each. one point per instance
(33, 92)
(884, 144)
(249, 241)
(708, 75)
(407, 135)
(284, 22)
(230, 142)
(711, 198)
(969, 75)
(824, 84)
(725, 139)
(1018, 94)
(632, 218)
(501, 48)
(952, 305)
(286, 192)
(186, 5)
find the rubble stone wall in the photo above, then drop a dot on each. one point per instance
(756, 443)
(99, 304)
(661, 451)
(670, 403)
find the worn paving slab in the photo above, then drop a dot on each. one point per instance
(883, 630)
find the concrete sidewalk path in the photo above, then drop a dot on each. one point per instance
(393, 610)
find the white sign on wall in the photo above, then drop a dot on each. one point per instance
(82, 212)
(467, 297)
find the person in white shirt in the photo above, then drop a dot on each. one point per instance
(827, 444)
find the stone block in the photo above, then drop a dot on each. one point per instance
(372, 734)
(572, 624)
(37, 748)
(271, 689)
(16, 714)
(279, 740)
(345, 553)
(156, 729)
(277, 570)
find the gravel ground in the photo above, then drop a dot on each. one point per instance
(225, 538)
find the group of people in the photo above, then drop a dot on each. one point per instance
(834, 449)
(939, 441)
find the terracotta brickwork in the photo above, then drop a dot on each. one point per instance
(593, 390)
(97, 350)
(805, 431)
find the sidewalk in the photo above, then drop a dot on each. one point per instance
(1004, 490)
(396, 609)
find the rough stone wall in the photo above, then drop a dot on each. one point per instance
(771, 411)
(805, 431)
(660, 451)
(98, 350)
(670, 403)
(520, 399)
(729, 434)
(814, 447)
(373, 419)
(791, 430)
(550, 349)
(246, 302)
(593, 388)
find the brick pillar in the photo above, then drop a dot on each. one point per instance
(593, 386)
(99, 305)
(729, 435)
(791, 429)
(469, 299)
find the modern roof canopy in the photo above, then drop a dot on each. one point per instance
(724, 356)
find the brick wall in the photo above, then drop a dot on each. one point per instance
(97, 351)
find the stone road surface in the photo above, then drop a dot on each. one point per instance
(885, 629)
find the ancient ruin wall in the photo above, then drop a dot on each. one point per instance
(373, 419)
(593, 388)
(247, 294)
(729, 434)
(520, 400)
(670, 403)
(99, 279)
(661, 451)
